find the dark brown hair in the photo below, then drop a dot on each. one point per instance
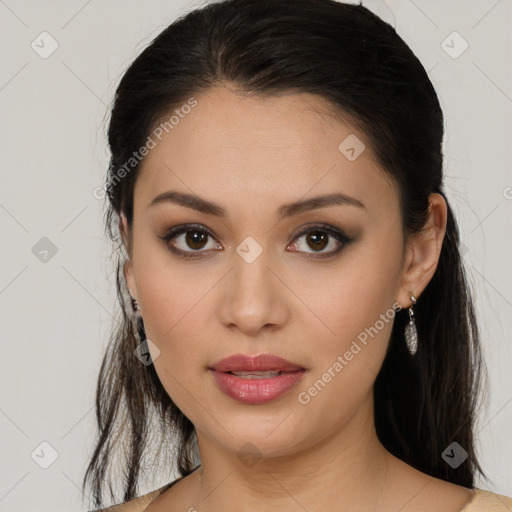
(347, 55)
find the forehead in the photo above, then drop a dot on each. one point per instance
(264, 146)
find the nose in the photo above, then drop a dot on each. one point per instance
(253, 297)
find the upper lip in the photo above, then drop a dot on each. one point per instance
(262, 362)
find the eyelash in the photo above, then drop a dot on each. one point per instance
(331, 231)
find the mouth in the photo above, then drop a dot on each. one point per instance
(256, 375)
(256, 380)
(244, 364)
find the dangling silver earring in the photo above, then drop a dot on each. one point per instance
(411, 333)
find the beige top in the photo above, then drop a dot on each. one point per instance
(482, 501)
(486, 501)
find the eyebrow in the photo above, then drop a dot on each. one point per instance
(286, 210)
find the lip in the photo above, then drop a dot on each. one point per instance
(261, 362)
(256, 390)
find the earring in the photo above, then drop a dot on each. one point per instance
(411, 333)
(137, 313)
(135, 304)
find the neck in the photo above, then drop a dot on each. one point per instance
(347, 469)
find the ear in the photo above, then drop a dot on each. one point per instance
(128, 266)
(422, 252)
(128, 275)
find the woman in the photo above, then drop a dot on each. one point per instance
(300, 312)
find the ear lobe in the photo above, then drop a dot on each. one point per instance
(123, 228)
(127, 270)
(406, 288)
(423, 251)
(128, 276)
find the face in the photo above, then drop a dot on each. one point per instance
(315, 287)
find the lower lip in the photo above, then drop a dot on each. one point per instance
(256, 391)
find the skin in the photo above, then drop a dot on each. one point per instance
(251, 155)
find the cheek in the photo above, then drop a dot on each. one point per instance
(352, 298)
(356, 303)
(176, 305)
(173, 297)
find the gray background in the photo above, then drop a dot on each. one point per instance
(56, 314)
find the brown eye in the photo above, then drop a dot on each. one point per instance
(318, 238)
(196, 239)
(189, 239)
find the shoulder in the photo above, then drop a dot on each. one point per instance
(486, 501)
(136, 504)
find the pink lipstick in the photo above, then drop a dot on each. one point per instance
(256, 380)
